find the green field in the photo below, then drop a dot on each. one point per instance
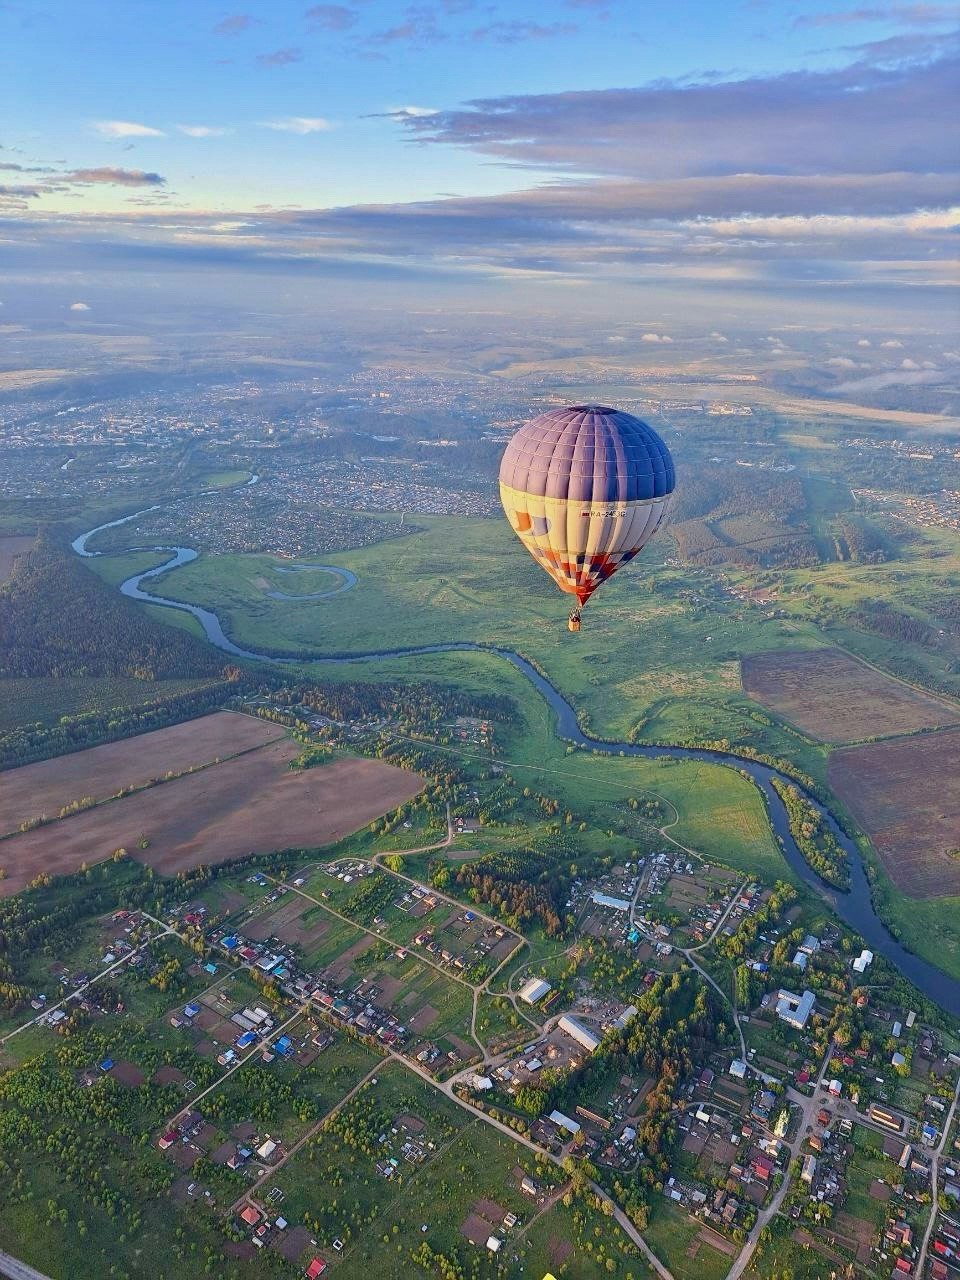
(657, 660)
(333, 1187)
(670, 1234)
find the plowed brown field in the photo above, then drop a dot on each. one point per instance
(44, 788)
(906, 796)
(251, 804)
(834, 697)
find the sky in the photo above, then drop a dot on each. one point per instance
(766, 147)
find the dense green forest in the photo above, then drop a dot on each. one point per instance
(58, 619)
(26, 743)
(424, 703)
(814, 838)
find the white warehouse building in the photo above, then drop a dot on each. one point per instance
(582, 1034)
(534, 989)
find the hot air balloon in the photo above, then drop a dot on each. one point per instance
(585, 488)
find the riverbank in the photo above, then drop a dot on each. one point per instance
(855, 907)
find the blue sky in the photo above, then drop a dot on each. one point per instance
(760, 142)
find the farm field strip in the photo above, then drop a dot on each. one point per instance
(252, 803)
(100, 772)
(835, 697)
(362, 928)
(905, 794)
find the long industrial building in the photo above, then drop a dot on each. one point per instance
(582, 1034)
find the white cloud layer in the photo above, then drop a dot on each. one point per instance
(126, 129)
(299, 124)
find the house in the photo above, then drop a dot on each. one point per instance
(581, 1033)
(738, 1069)
(881, 1115)
(898, 1060)
(810, 945)
(167, 1139)
(863, 961)
(316, 1268)
(564, 1122)
(250, 1215)
(191, 1010)
(901, 1233)
(809, 1170)
(762, 1167)
(800, 961)
(895, 1149)
(604, 900)
(266, 1149)
(534, 989)
(795, 1010)
(494, 1243)
(528, 1186)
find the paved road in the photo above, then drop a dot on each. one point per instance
(14, 1269)
(807, 1107)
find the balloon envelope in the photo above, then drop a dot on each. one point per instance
(585, 488)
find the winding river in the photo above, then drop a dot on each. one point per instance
(854, 907)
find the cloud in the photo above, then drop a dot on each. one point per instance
(892, 343)
(233, 25)
(880, 382)
(299, 124)
(420, 29)
(909, 364)
(905, 14)
(79, 306)
(202, 130)
(656, 337)
(864, 342)
(114, 177)
(842, 362)
(518, 32)
(859, 119)
(280, 57)
(126, 129)
(416, 113)
(719, 337)
(331, 17)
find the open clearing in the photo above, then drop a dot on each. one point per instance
(906, 796)
(251, 804)
(44, 788)
(10, 549)
(833, 697)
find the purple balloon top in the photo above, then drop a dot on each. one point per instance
(588, 453)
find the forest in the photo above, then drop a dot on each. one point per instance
(424, 704)
(59, 619)
(814, 838)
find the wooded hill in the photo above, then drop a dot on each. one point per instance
(57, 618)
